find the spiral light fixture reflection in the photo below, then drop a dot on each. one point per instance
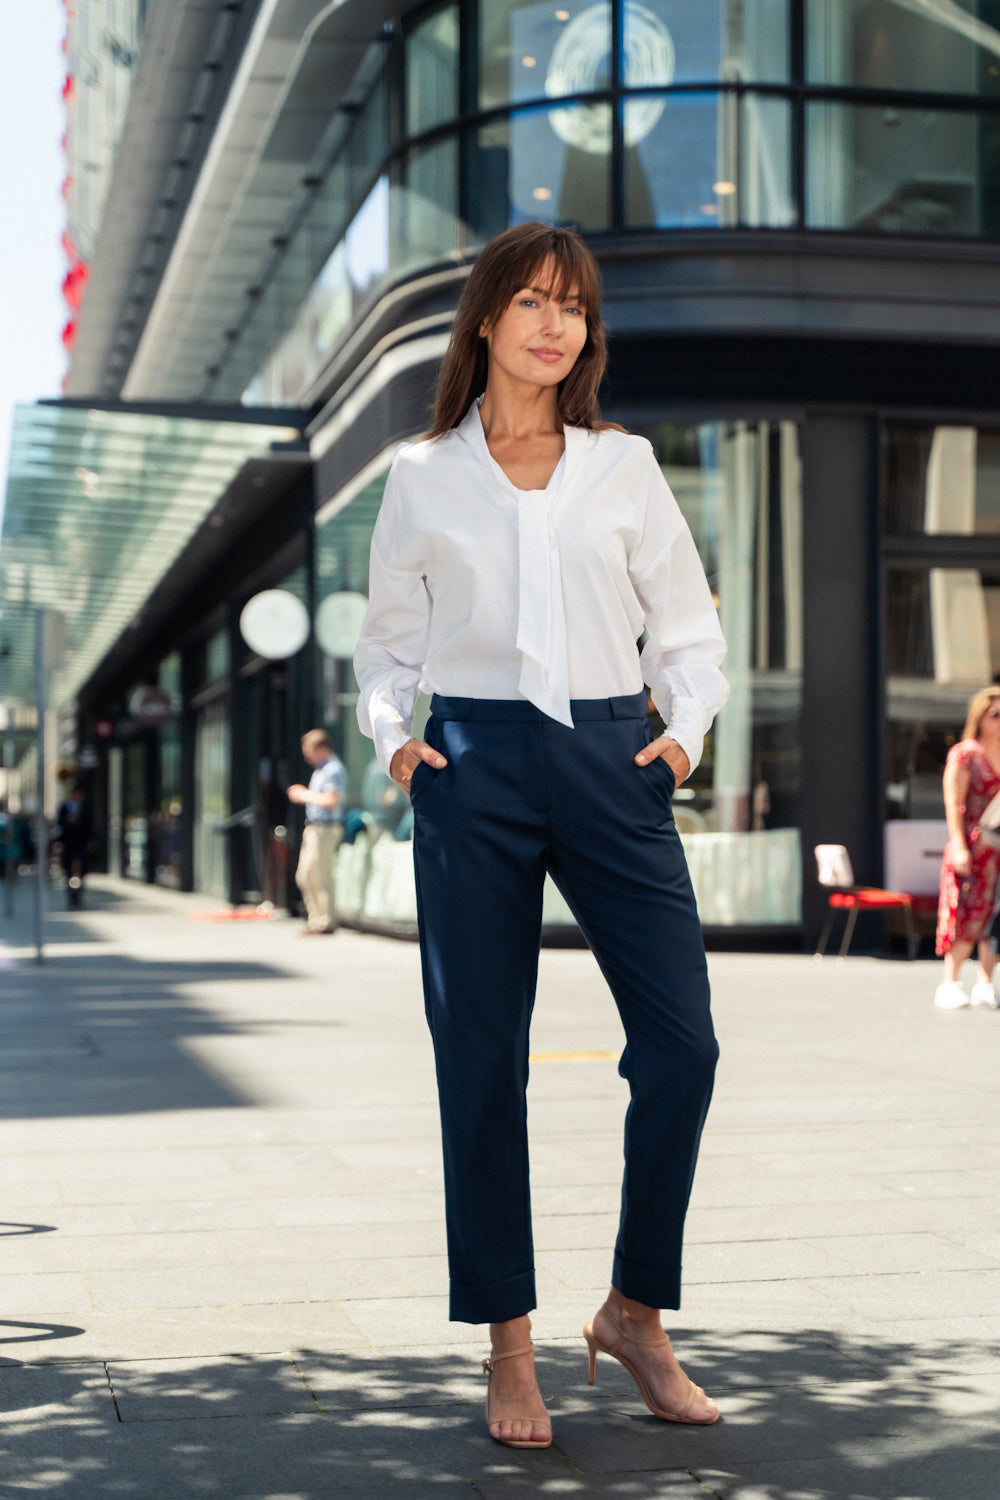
(580, 57)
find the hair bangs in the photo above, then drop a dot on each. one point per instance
(554, 263)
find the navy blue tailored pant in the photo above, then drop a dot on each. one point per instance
(523, 795)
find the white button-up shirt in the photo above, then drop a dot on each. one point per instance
(481, 590)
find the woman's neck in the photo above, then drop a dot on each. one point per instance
(511, 412)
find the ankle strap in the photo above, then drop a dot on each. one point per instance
(494, 1359)
(633, 1338)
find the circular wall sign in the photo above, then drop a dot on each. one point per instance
(338, 622)
(579, 65)
(274, 624)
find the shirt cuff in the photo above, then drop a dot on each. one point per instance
(683, 719)
(388, 740)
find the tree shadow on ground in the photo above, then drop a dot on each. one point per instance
(812, 1415)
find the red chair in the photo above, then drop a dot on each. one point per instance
(835, 872)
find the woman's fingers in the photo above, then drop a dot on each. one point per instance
(409, 756)
(671, 752)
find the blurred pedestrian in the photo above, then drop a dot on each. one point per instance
(971, 863)
(323, 800)
(76, 843)
(521, 549)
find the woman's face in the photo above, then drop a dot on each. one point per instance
(538, 339)
(989, 725)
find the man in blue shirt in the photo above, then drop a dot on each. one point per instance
(323, 800)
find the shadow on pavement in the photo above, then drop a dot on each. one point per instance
(808, 1415)
(102, 1033)
(63, 924)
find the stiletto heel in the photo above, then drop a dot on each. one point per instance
(592, 1346)
(488, 1367)
(694, 1393)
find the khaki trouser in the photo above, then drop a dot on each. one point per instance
(314, 873)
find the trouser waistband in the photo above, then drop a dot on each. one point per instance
(519, 710)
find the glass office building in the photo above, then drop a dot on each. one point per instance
(796, 208)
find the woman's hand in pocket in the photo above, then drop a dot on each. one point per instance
(671, 752)
(408, 757)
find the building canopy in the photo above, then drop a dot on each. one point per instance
(100, 504)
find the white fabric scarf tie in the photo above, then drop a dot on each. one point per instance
(541, 613)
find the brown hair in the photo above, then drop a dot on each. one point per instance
(316, 739)
(978, 704)
(509, 262)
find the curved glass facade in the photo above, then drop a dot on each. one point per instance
(864, 116)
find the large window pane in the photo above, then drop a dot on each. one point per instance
(343, 545)
(738, 485)
(941, 480)
(942, 645)
(698, 160)
(432, 71)
(166, 820)
(530, 50)
(211, 796)
(424, 207)
(943, 46)
(542, 164)
(675, 41)
(368, 141)
(902, 171)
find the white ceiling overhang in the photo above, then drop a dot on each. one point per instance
(296, 68)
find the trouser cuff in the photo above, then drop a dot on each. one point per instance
(493, 1304)
(659, 1287)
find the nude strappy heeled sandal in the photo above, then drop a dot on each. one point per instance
(695, 1392)
(488, 1368)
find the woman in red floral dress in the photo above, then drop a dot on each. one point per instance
(969, 869)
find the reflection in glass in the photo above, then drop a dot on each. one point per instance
(343, 545)
(712, 160)
(941, 480)
(939, 46)
(424, 208)
(211, 796)
(739, 487)
(525, 170)
(136, 824)
(942, 644)
(530, 50)
(431, 71)
(901, 171)
(735, 40)
(166, 820)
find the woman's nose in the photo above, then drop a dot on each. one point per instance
(553, 319)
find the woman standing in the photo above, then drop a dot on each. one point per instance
(522, 548)
(969, 868)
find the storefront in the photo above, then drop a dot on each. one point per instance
(795, 207)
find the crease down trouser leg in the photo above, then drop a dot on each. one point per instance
(479, 878)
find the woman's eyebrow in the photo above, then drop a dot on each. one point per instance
(546, 291)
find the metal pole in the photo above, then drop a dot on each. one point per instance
(41, 836)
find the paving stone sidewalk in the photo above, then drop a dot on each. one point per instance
(222, 1268)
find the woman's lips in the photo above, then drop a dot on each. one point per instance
(548, 356)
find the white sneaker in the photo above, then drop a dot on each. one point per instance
(951, 996)
(984, 994)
